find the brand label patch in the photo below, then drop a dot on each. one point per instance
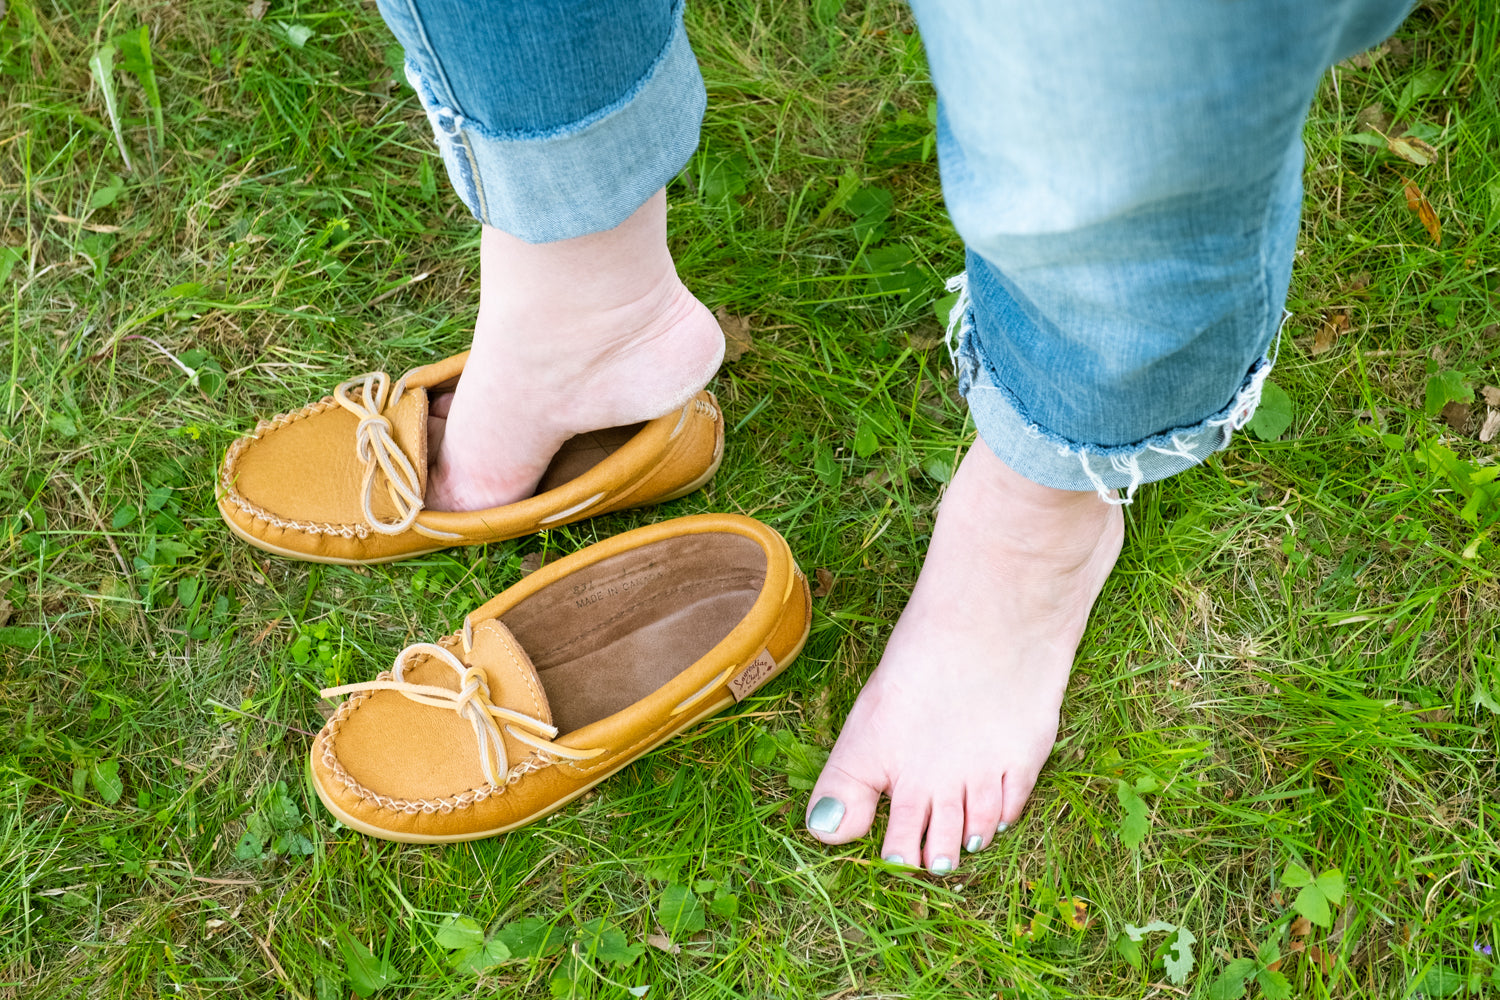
(743, 684)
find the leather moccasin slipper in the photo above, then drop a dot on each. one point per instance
(562, 680)
(343, 480)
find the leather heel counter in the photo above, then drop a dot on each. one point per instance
(690, 461)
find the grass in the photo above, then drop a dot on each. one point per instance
(1296, 665)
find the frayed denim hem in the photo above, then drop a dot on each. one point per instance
(584, 177)
(1050, 459)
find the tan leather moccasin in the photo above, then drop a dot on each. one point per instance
(562, 680)
(343, 480)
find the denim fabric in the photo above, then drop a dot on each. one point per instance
(1127, 178)
(555, 118)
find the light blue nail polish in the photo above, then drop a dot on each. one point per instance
(826, 815)
(1002, 827)
(974, 843)
(941, 866)
(894, 859)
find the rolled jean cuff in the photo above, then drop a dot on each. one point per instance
(585, 176)
(1048, 458)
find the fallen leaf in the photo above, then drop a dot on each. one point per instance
(1075, 912)
(214, 925)
(1434, 716)
(663, 943)
(257, 9)
(1491, 425)
(824, 582)
(1297, 947)
(1457, 416)
(1301, 927)
(1491, 395)
(926, 336)
(1417, 202)
(1367, 58)
(737, 337)
(533, 561)
(5, 610)
(260, 636)
(854, 935)
(90, 226)
(1321, 957)
(1373, 117)
(1412, 150)
(1328, 332)
(1359, 282)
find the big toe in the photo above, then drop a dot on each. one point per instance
(842, 805)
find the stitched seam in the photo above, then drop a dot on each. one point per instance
(442, 74)
(246, 506)
(634, 748)
(606, 111)
(411, 807)
(536, 702)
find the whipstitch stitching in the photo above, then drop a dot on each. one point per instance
(226, 478)
(536, 762)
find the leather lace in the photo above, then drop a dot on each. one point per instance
(376, 447)
(472, 702)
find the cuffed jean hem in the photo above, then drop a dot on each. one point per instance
(586, 176)
(1046, 457)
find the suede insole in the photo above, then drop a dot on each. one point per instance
(581, 453)
(606, 637)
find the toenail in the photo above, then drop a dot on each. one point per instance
(941, 866)
(1002, 827)
(826, 815)
(894, 859)
(974, 843)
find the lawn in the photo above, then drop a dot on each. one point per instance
(1277, 768)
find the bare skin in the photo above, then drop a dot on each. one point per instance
(956, 721)
(572, 336)
(959, 717)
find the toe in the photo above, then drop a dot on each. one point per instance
(903, 834)
(841, 807)
(945, 831)
(983, 804)
(1018, 786)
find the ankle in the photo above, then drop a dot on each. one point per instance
(595, 273)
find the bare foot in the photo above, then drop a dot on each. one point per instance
(572, 336)
(958, 718)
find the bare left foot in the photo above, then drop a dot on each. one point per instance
(959, 717)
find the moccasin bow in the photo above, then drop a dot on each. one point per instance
(344, 479)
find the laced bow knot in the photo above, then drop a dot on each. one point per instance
(472, 702)
(375, 445)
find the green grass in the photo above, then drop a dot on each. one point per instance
(1291, 667)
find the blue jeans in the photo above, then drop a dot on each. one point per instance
(1126, 177)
